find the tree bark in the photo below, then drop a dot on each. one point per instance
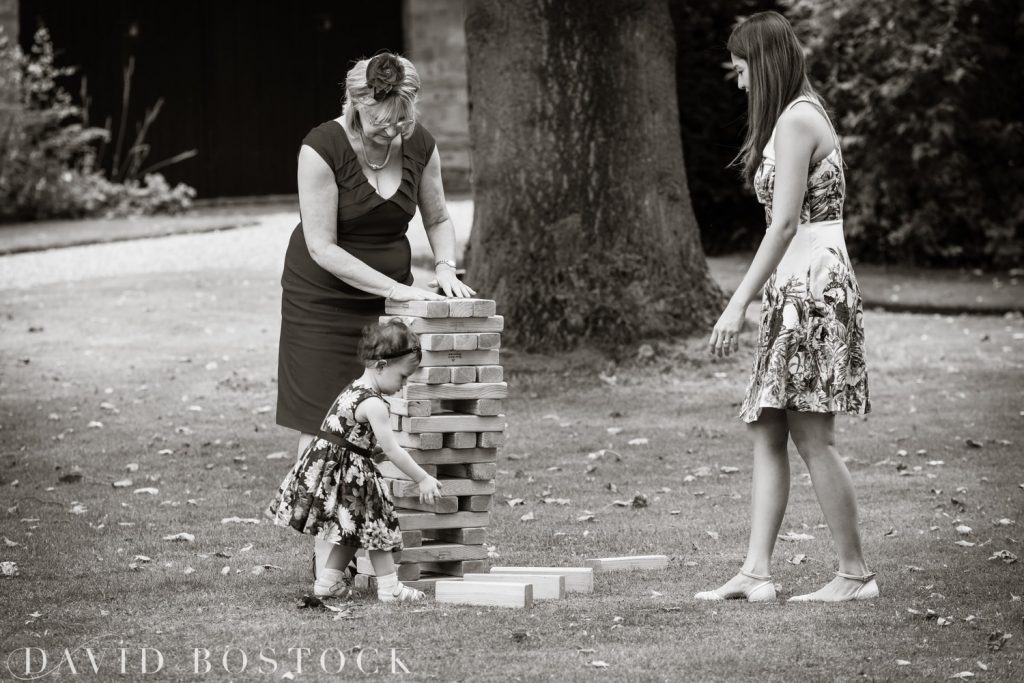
(583, 228)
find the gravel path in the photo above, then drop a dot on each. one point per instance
(257, 250)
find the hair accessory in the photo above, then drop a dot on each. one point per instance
(396, 354)
(383, 73)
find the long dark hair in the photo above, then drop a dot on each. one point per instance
(775, 60)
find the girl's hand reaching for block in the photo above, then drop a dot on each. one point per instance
(430, 490)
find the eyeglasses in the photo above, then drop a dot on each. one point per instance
(400, 127)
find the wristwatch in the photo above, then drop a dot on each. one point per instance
(444, 262)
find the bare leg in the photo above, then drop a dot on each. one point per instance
(332, 555)
(769, 495)
(383, 562)
(814, 436)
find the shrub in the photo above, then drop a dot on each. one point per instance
(927, 97)
(48, 153)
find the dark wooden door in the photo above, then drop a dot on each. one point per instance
(242, 82)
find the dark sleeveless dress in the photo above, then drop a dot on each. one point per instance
(322, 317)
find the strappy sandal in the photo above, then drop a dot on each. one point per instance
(867, 590)
(402, 593)
(762, 592)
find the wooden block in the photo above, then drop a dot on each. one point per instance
(425, 583)
(444, 552)
(456, 520)
(395, 421)
(449, 487)
(412, 539)
(484, 308)
(445, 358)
(545, 586)
(420, 309)
(608, 564)
(447, 456)
(455, 568)
(466, 536)
(442, 505)
(454, 423)
(432, 375)
(409, 571)
(460, 308)
(577, 579)
(455, 391)
(484, 594)
(475, 503)
(463, 374)
(465, 342)
(481, 471)
(490, 373)
(460, 440)
(490, 439)
(391, 471)
(424, 325)
(488, 340)
(401, 406)
(483, 406)
(437, 342)
(423, 442)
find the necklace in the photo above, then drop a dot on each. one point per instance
(373, 166)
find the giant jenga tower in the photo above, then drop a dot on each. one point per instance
(449, 417)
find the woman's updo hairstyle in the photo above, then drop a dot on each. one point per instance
(385, 341)
(387, 83)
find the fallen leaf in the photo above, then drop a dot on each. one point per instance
(148, 490)
(1005, 522)
(963, 674)
(132, 467)
(997, 639)
(614, 430)
(598, 664)
(639, 501)
(239, 520)
(8, 568)
(902, 662)
(965, 544)
(78, 509)
(972, 444)
(983, 667)
(225, 571)
(528, 517)
(10, 544)
(963, 530)
(188, 570)
(712, 534)
(556, 501)
(796, 559)
(94, 424)
(122, 483)
(794, 536)
(70, 478)
(246, 548)
(1004, 555)
(585, 518)
(277, 455)
(515, 501)
(520, 636)
(183, 536)
(639, 441)
(727, 469)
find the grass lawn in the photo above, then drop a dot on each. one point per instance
(180, 372)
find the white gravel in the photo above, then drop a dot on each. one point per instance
(258, 250)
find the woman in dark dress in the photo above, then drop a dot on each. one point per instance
(361, 177)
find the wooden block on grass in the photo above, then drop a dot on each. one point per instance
(475, 503)
(577, 579)
(401, 406)
(482, 406)
(488, 340)
(442, 505)
(545, 586)
(456, 520)
(454, 422)
(439, 456)
(463, 374)
(420, 309)
(474, 390)
(391, 471)
(432, 375)
(422, 325)
(444, 552)
(608, 564)
(445, 358)
(490, 373)
(457, 568)
(481, 471)
(449, 487)
(423, 442)
(437, 342)
(484, 594)
(464, 536)
(460, 440)
(490, 439)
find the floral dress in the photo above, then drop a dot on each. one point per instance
(810, 346)
(335, 491)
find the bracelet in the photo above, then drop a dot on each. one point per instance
(444, 262)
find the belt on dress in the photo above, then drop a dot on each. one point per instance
(344, 443)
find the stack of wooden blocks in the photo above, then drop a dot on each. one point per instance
(450, 419)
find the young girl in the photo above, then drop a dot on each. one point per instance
(809, 361)
(335, 491)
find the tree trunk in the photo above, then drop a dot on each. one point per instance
(582, 229)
